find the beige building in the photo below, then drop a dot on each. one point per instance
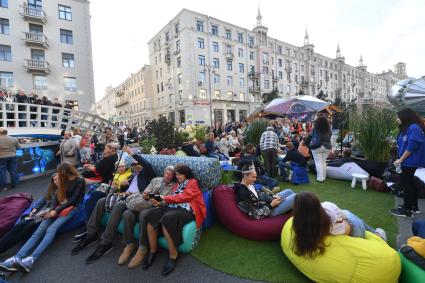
(45, 48)
(131, 100)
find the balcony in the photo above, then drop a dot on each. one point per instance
(121, 103)
(304, 84)
(167, 59)
(288, 69)
(33, 14)
(254, 75)
(229, 56)
(35, 39)
(254, 89)
(37, 66)
(119, 93)
(275, 79)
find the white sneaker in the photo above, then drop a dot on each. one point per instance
(381, 233)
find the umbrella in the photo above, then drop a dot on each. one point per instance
(296, 105)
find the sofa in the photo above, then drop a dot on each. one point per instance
(207, 171)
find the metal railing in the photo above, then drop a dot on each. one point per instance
(30, 117)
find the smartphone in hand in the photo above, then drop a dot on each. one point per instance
(156, 197)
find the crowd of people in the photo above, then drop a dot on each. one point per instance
(130, 190)
(32, 98)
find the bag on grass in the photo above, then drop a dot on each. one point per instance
(378, 185)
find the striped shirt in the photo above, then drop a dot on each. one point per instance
(269, 139)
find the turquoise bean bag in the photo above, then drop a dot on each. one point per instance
(410, 272)
(190, 235)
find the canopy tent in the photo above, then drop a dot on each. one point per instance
(295, 105)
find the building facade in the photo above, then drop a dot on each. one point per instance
(45, 48)
(131, 100)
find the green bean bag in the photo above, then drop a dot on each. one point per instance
(346, 259)
(410, 273)
(190, 234)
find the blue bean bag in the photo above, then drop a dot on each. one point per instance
(299, 175)
(191, 235)
(418, 228)
(79, 219)
(210, 219)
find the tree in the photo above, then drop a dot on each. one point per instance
(269, 96)
(321, 95)
(163, 131)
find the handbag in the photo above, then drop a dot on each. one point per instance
(106, 188)
(66, 211)
(112, 199)
(254, 212)
(136, 202)
(315, 140)
(377, 184)
(303, 149)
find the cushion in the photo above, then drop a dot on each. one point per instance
(411, 273)
(191, 235)
(209, 220)
(207, 170)
(79, 219)
(343, 171)
(11, 207)
(299, 175)
(232, 218)
(347, 259)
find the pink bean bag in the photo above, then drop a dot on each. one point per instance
(265, 229)
(11, 207)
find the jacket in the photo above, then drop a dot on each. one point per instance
(250, 200)
(295, 156)
(147, 174)
(191, 194)
(105, 168)
(414, 142)
(68, 151)
(248, 159)
(74, 195)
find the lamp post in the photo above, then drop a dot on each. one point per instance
(209, 67)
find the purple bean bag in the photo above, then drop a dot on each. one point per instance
(11, 207)
(228, 213)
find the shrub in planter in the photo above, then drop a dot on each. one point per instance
(253, 132)
(164, 132)
(146, 144)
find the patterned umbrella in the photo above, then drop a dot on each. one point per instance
(296, 105)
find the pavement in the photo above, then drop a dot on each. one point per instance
(57, 265)
(405, 224)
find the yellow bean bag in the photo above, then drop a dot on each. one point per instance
(347, 259)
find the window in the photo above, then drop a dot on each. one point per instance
(201, 43)
(251, 69)
(202, 94)
(241, 82)
(216, 63)
(280, 75)
(228, 49)
(279, 62)
(39, 82)
(214, 30)
(241, 68)
(201, 77)
(251, 55)
(70, 84)
(230, 94)
(66, 36)
(229, 65)
(6, 79)
(167, 36)
(228, 34)
(241, 98)
(265, 58)
(37, 29)
(229, 80)
(37, 55)
(265, 70)
(179, 62)
(4, 3)
(215, 46)
(178, 46)
(36, 4)
(177, 28)
(279, 49)
(180, 78)
(240, 52)
(5, 53)
(200, 26)
(65, 12)
(216, 78)
(240, 37)
(266, 84)
(4, 26)
(68, 60)
(216, 96)
(251, 41)
(201, 60)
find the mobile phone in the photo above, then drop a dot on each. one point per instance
(155, 196)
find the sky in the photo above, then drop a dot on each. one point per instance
(384, 32)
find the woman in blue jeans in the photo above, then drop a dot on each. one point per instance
(260, 204)
(68, 197)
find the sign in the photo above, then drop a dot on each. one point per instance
(201, 102)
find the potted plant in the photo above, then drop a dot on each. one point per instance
(373, 128)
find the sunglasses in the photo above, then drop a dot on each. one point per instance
(135, 164)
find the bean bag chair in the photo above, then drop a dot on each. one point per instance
(209, 220)
(347, 259)
(232, 218)
(418, 228)
(11, 207)
(79, 219)
(343, 170)
(299, 175)
(191, 235)
(411, 273)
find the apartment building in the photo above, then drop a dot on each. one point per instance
(45, 48)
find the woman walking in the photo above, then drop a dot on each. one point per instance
(321, 146)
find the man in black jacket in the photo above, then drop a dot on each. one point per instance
(292, 155)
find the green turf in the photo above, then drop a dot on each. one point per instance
(265, 261)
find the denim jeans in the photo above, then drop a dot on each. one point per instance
(286, 205)
(267, 181)
(320, 155)
(43, 236)
(9, 164)
(358, 227)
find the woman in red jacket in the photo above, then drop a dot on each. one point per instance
(184, 205)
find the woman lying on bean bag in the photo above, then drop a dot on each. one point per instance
(260, 204)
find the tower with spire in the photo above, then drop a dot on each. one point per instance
(306, 38)
(361, 65)
(260, 30)
(307, 45)
(339, 57)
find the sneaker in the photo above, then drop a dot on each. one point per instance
(100, 251)
(3, 189)
(381, 233)
(79, 237)
(25, 264)
(9, 265)
(401, 212)
(88, 241)
(414, 210)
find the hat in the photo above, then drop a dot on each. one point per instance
(121, 163)
(269, 128)
(418, 244)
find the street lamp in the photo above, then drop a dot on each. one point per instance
(210, 68)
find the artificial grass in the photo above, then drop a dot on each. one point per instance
(265, 261)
